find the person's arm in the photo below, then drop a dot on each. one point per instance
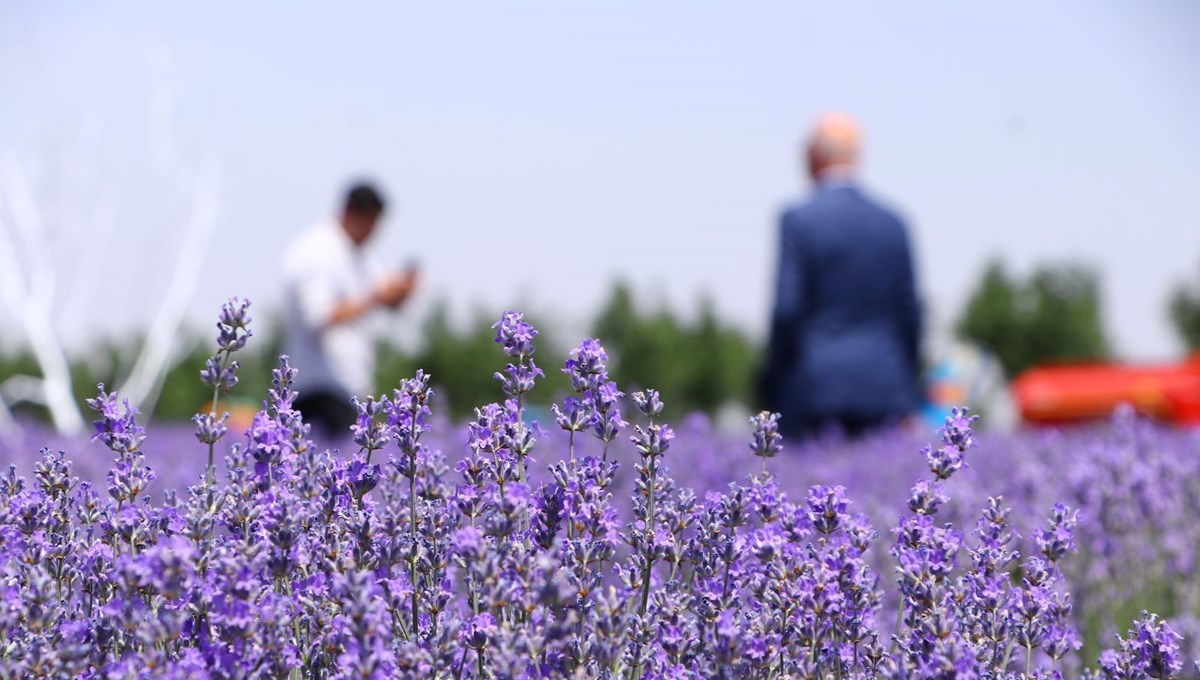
(391, 291)
(787, 311)
(322, 308)
(320, 304)
(394, 290)
(345, 311)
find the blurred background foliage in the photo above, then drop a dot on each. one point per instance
(1053, 315)
(696, 366)
(699, 364)
(1185, 312)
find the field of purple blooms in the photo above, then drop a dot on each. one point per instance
(589, 546)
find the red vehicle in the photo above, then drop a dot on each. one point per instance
(1073, 392)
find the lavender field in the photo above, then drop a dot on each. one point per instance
(598, 542)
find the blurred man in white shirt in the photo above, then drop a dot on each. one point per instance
(330, 291)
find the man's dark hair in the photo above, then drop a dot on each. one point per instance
(363, 197)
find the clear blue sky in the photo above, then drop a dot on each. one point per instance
(538, 150)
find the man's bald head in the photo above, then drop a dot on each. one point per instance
(834, 143)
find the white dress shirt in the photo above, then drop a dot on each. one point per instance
(322, 268)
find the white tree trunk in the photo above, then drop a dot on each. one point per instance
(30, 303)
(157, 356)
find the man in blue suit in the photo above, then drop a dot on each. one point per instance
(846, 324)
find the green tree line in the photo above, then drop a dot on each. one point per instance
(700, 364)
(1053, 314)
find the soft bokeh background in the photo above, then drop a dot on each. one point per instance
(616, 168)
(539, 151)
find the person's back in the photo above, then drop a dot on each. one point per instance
(846, 324)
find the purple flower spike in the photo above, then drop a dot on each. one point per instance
(649, 403)
(233, 325)
(1151, 650)
(209, 429)
(117, 427)
(654, 441)
(515, 335)
(281, 396)
(827, 507)
(573, 416)
(1059, 538)
(371, 432)
(587, 366)
(957, 432)
(767, 441)
(305, 562)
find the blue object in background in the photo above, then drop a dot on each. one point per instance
(966, 374)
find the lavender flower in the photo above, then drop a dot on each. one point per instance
(767, 440)
(649, 403)
(117, 427)
(220, 371)
(515, 335)
(304, 562)
(210, 429)
(1151, 650)
(370, 432)
(587, 366)
(1059, 538)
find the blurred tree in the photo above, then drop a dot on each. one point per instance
(698, 366)
(1185, 313)
(463, 364)
(695, 367)
(724, 363)
(617, 321)
(183, 395)
(107, 363)
(1052, 316)
(706, 388)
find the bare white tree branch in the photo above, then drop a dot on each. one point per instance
(145, 381)
(23, 388)
(31, 303)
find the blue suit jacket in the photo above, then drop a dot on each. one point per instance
(846, 322)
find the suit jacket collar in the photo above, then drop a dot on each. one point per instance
(836, 177)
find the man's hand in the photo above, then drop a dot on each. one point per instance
(394, 289)
(391, 292)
